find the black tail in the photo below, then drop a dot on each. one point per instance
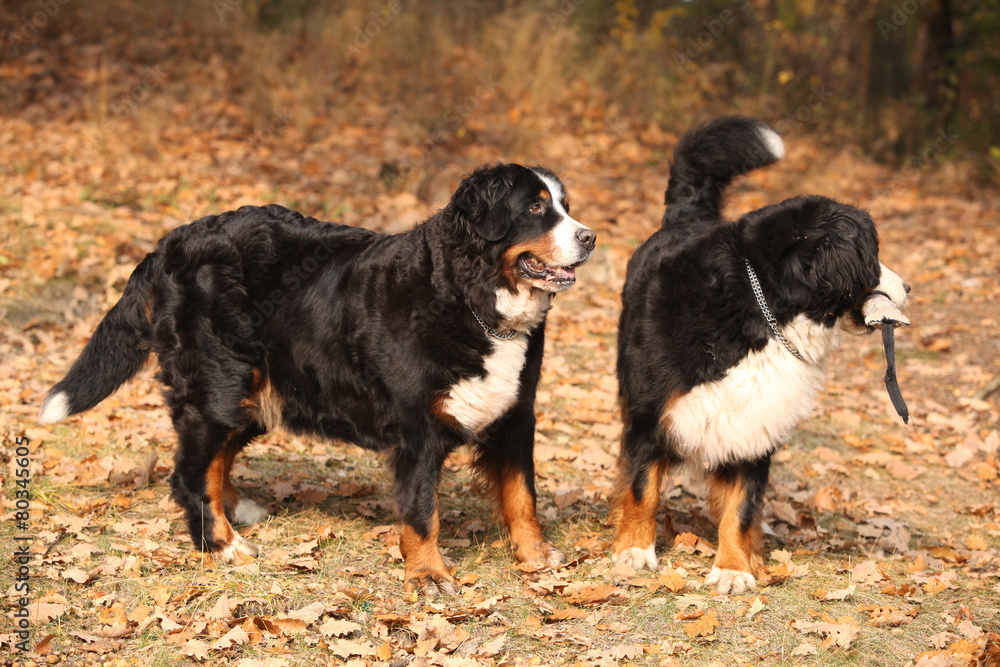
(709, 157)
(117, 351)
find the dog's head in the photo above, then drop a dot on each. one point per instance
(520, 220)
(822, 258)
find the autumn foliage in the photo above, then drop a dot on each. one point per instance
(121, 121)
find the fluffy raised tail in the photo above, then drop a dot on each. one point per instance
(709, 157)
(116, 352)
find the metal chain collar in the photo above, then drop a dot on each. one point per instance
(771, 322)
(490, 331)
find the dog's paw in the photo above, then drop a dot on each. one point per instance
(730, 582)
(541, 555)
(239, 545)
(431, 584)
(638, 558)
(554, 558)
(547, 556)
(247, 512)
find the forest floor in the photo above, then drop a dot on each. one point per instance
(891, 532)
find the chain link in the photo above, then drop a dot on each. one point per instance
(771, 322)
(490, 331)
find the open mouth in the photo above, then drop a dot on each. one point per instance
(556, 278)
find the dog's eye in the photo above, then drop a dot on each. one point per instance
(536, 208)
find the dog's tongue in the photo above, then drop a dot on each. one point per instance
(879, 310)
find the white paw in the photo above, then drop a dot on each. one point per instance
(247, 512)
(638, 558)
(238, 545)
(555, 559)
(730, 582)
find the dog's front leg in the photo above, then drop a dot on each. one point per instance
(736, 497)
(416, 480)
(506, 463)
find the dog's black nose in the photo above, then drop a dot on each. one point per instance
(906, 286)
(587, 238)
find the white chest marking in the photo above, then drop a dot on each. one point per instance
(758, 403)
(523, 309)
(477, 402)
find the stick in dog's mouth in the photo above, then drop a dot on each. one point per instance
(880, 311)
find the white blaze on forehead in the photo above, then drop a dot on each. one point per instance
(558, 194)
(568, 248)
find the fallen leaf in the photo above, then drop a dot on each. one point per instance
(567, 614)
(492, 647)
(672, 580)
(236, 636)
(805, 649)
(44, 646)
(338, 628)
(867, 573)
(837, 633)
(195, 648)
(887, 616)
(903, 471)
(841, 594)
(704, 626)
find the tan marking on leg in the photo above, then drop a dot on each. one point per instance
(230, 496)
(424, 569)
(738, 549)
(636, 517)
(215, 483)
(517, 510)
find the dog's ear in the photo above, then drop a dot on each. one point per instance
(483, 200)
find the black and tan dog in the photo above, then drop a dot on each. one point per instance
(412, 344)
(723, 335)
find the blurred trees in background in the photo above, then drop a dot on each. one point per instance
(893, 76)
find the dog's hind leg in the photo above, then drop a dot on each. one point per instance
(641, 466)
(736, 497)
